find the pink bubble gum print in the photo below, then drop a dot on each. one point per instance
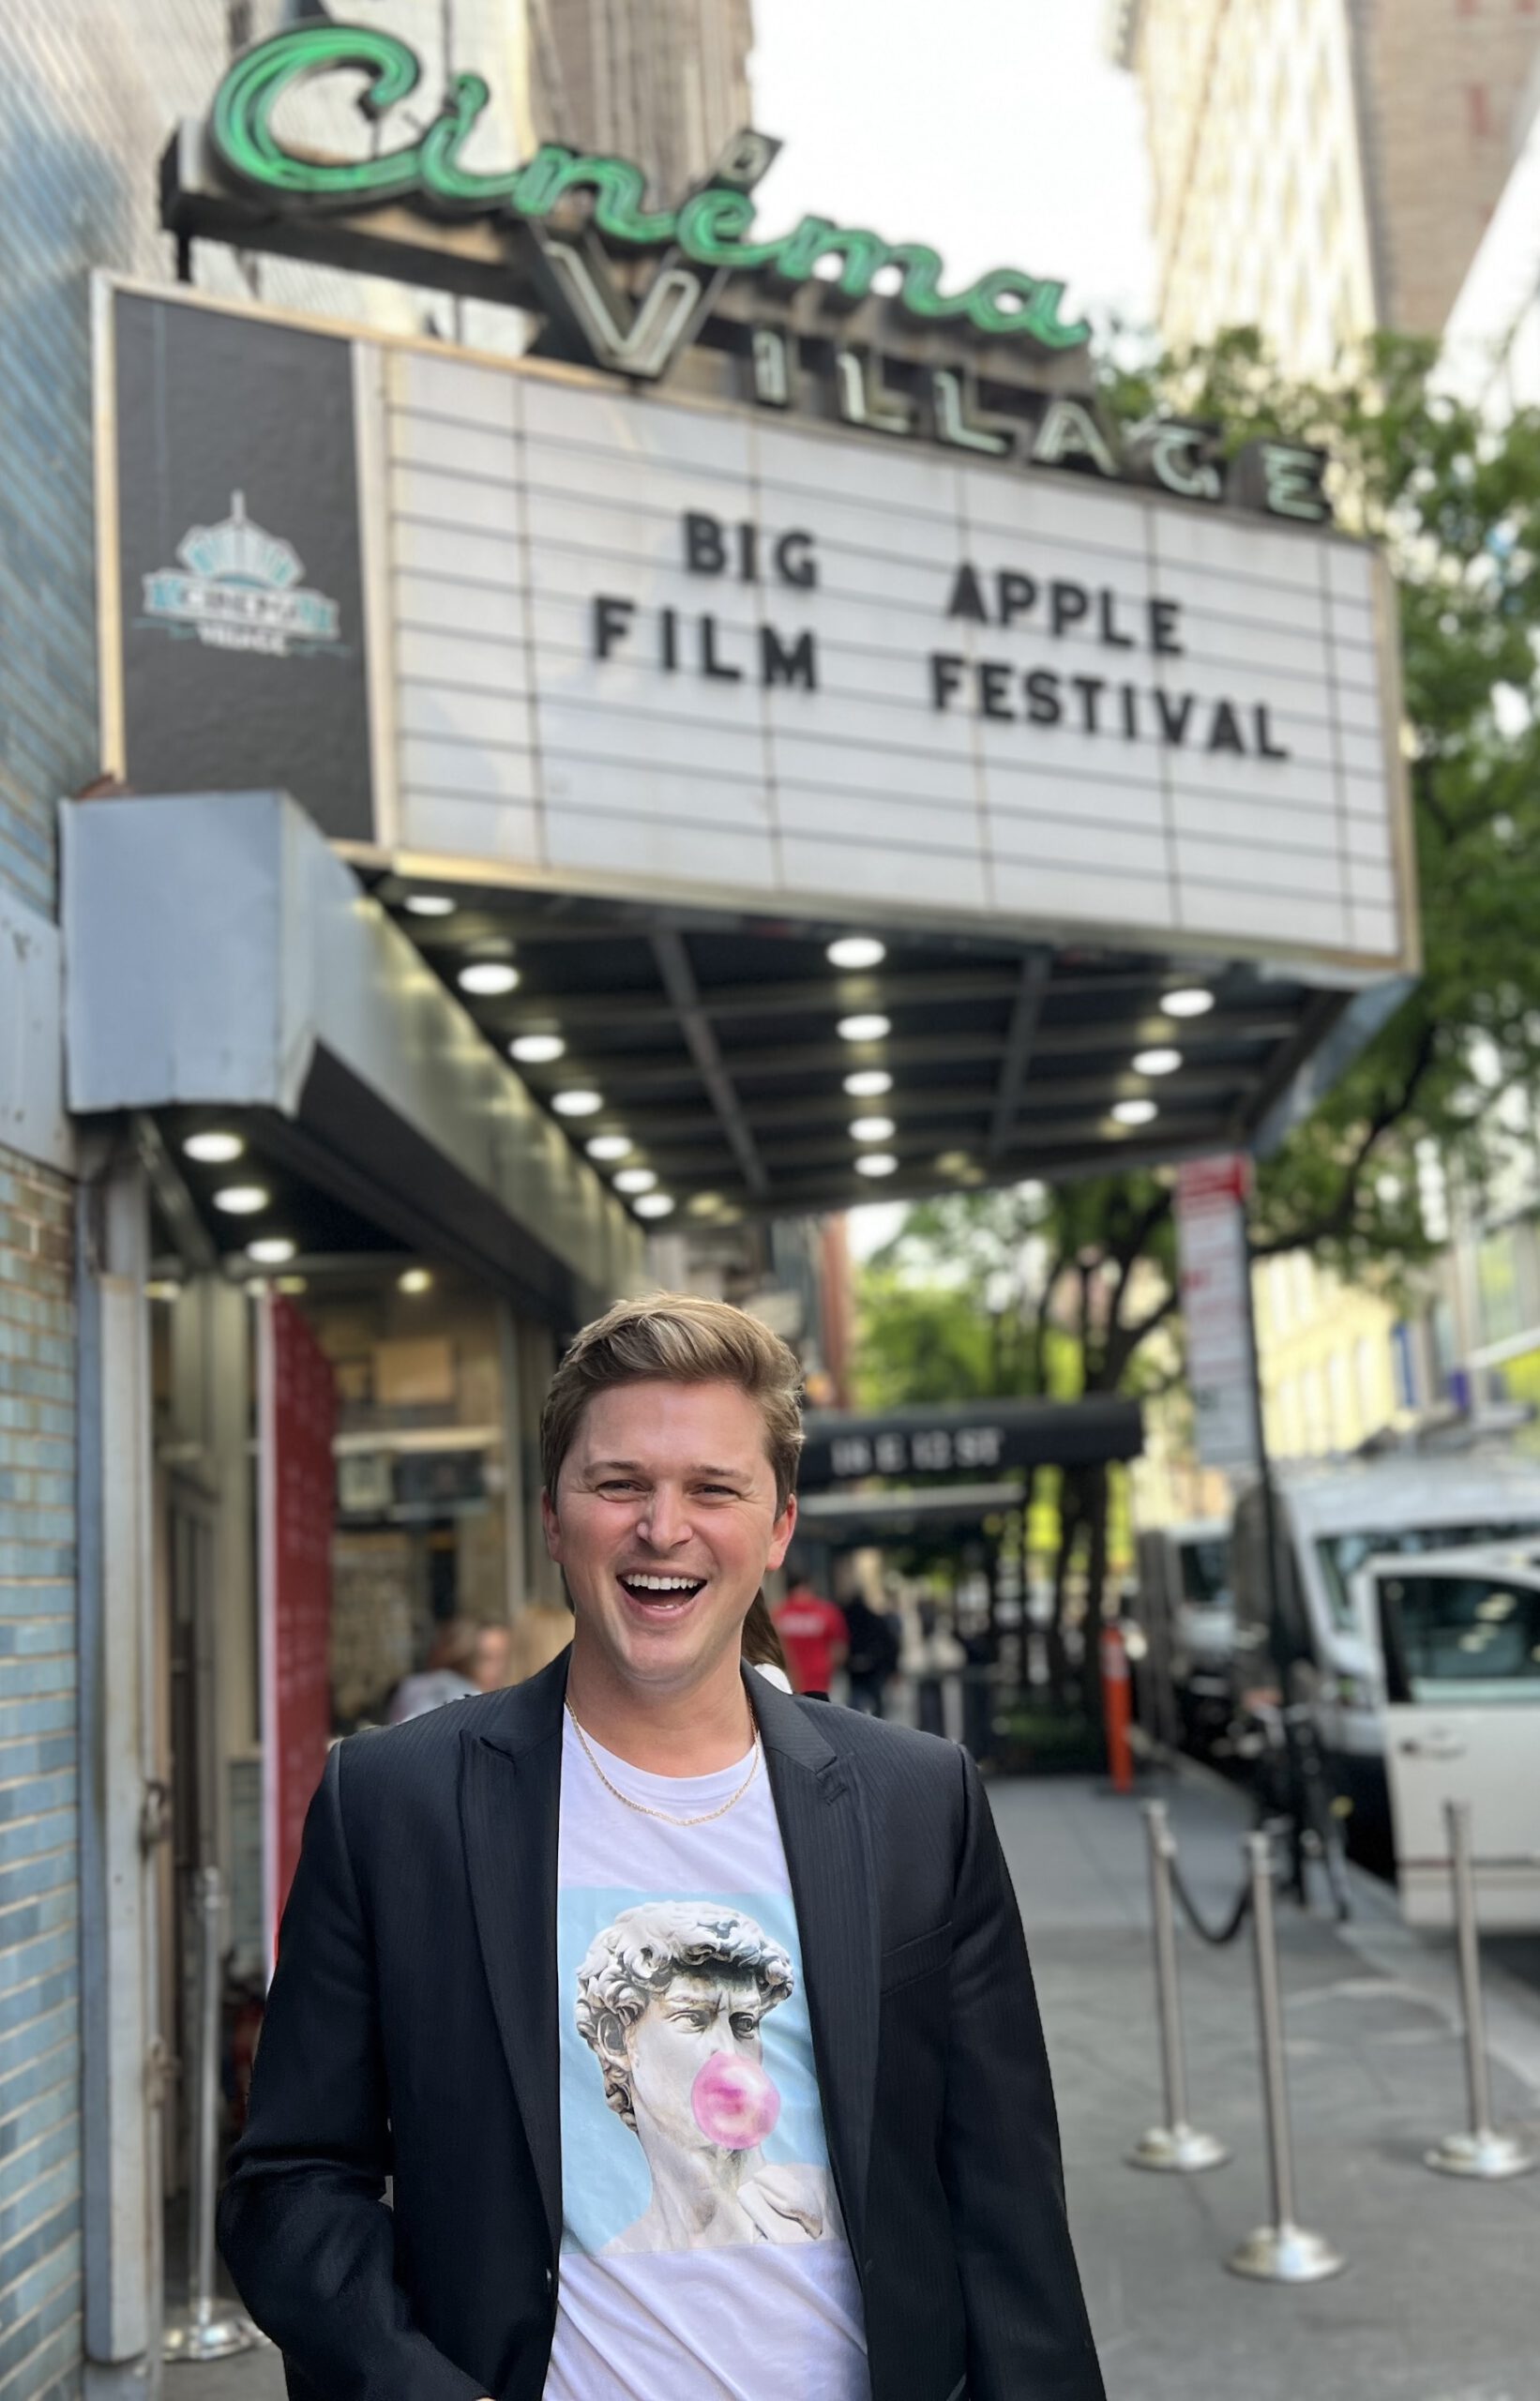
(735, 2102)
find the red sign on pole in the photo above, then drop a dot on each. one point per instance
(298, 1410)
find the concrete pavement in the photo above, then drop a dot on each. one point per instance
(1437, 2299)
(1437, 2302)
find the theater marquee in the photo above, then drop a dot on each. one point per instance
(553, 629)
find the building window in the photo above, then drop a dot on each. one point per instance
(1478, 109)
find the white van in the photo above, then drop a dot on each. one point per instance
(1183, 1602)
(1335, 1517)
(1461, 1633)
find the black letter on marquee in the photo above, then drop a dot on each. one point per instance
(670, 639)
(1070, 603)
(795, 560)
(967, 600)
(1266, 747)
(710, 664)
(1108, 604)
(778, 665)
(946, 676)
(705, 550)
(1090, 689)
(1016, 594)
(1173, 717)
(1226, 734)
(611, 623)
(1130, 712)
(1044, 705)
(994, 684)
(1163, 617)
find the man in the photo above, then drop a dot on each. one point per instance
(819, 2160)
(813, 1635)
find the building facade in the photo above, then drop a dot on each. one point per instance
(662, 81)
(1323, 167)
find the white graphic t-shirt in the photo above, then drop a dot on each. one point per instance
(704, 2257)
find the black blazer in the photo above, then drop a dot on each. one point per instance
(412, 2033)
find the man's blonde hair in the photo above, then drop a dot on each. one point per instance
(673, 1337)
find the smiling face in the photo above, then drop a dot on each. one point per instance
(664, 1524)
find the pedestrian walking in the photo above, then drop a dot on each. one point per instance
(813, 1635)
(447, 1674)
(692, 2022)
(873, 1655)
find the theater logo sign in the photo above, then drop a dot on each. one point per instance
(240, 588)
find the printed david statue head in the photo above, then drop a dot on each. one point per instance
(671, 1997)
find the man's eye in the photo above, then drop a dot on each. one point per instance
(620, 1484)
(721, 1491)
(744, 2026)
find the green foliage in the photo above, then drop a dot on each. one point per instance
(1455, 505)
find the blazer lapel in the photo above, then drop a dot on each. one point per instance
(510, 1795)
(823, 1828)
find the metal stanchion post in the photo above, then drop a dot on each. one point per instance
(206, 2329)
(1175, 2146)
(1282, 2252)
(1482, 2151)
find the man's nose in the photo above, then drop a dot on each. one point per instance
(665, 1523)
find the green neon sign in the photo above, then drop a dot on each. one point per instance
(713, 228)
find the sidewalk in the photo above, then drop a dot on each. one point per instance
(1437, 2302)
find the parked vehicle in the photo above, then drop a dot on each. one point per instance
(1186, 1613)
(1333, 1518)
(1460, 1635)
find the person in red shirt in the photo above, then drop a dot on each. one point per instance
(813, 1635)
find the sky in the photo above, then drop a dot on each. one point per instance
(996, 130)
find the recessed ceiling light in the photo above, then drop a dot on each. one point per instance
(414, 1279)
(872, 1130)
(242, 1200)
(577, 1103)
(162, 1288)
(1135, 1112)
(654, 1204)
(704, 1205)
(536, 1050)
(1157, 1063)
(877, 1163)
(635, 1179)
(869, 1084)
(954, 1163)
(864, 1029)
(1191, 1000)
(429, 904)
(609, 1146)
(272, 1251)
(489, 978)
(292, 1284)
(215, 1148)
(857, 950)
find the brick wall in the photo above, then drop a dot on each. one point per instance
(39, 1974)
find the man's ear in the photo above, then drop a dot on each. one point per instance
(551, 1526)
(781, 1533)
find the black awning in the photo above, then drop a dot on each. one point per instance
(988, 1434)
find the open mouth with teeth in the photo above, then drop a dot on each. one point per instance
(661, 1594)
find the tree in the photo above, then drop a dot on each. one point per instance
(1456, 503)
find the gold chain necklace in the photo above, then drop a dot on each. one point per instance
(640, 1807)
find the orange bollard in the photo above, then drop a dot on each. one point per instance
(1117, 1709)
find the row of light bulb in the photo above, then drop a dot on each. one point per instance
(854, 953)
(1161, 1059)
(217, 1147)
